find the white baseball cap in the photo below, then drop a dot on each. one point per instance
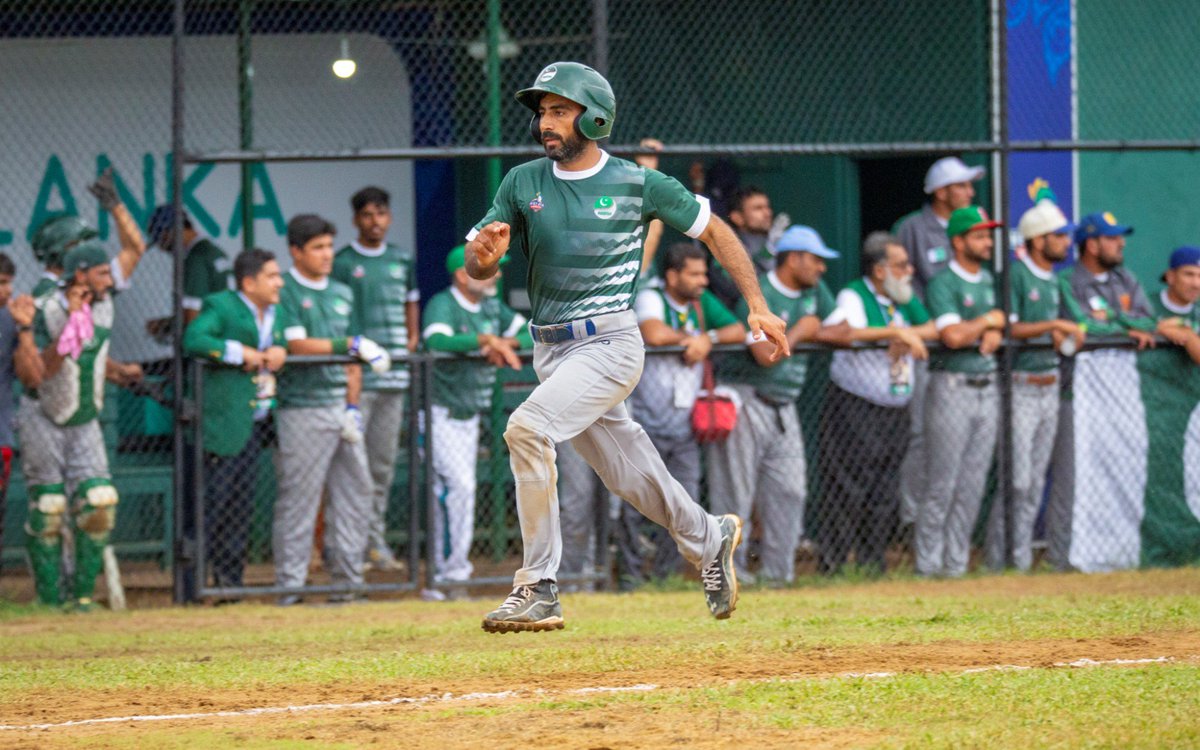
(949, 171)
(1044, 218)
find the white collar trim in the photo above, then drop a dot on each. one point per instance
(880, 296)
(779, 285)
(465, 303)
(964, 274)
(309, 283)
(1177, 309)
(1038, 271)
(592, 171)
(370, 252)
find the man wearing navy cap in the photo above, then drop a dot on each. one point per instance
(206, 269)
(1100, 291)
(761, 465)
(1175, 306)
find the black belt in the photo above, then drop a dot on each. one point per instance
(778, 406)
(977, 381)
(557, 333)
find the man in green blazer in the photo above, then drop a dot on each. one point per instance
(241, 333)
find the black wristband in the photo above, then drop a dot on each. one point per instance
(24, 329)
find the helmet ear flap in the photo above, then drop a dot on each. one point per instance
(535, 128)
(575, 124)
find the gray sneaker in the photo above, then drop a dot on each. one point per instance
(719, 576)
(527, 608)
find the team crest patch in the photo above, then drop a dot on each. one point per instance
(1034, 296)
(549, 72)
(968, 300)
(537, 204)
(341, 307)
(604, 207)
(359, 272)
(396, 271)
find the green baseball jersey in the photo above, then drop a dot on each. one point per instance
(383, 282)
(75, 394)
(1164, 308)
(464, 386)
(206, 271)
(785, 380)
(45, 284)
(582, 232)
(954, 296)
(314, 310)
(1036, 297)
(716, 315)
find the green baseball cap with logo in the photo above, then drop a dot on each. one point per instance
(85, 255)
(457, 258)
(968, 219)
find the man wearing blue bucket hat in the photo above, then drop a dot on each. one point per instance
(761, 465)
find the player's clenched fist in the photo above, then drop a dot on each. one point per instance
(490, 245)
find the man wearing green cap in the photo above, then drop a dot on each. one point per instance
(61, 232)
(63, 454)
(580, 218)
(466, 318)
(962, 406)
(381, 276)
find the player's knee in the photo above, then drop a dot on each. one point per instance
(47, 504)
(96, 507)
(531, 450)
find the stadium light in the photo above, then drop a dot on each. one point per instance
(344, 67)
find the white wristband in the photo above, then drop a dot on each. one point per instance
(712, 336)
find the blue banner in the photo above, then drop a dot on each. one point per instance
(1039, 101)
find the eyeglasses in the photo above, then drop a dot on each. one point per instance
(902, 265)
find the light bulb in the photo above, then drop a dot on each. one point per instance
(345, 67)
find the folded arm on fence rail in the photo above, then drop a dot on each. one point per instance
(405, 357)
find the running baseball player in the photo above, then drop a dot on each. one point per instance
(580, 216)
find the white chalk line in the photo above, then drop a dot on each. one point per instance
(443, 698)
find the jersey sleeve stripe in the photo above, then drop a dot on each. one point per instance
(947, 320)
(697, 227)
(295, 333)
(436, 328)
(517, 323)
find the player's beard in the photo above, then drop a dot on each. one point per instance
(571, 147)
(899, 289)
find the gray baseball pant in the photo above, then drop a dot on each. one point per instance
(383, 417)
(912, 472)
(1034, 424)
(584, 383)
(314, 457)
(581, 498)
(51, 454)
(761, 467)
(961, 422)
(682, 458)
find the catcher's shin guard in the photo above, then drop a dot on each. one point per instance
(95, 515)
(47, 504)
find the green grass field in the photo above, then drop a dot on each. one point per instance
(984, 662)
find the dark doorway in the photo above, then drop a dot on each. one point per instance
(890, 188)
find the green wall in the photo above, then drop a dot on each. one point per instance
(1137, 79)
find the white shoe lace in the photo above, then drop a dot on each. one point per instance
(711, 576)
(519, 596)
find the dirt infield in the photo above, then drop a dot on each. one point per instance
(565, 706)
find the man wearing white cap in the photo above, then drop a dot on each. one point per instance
(761, 466)
(948, 185)
(1036, 301)
(923, 234)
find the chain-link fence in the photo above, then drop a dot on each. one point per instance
(290, 107)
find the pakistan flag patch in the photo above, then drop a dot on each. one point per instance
(604, 207)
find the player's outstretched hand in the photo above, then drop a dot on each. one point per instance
(772, 326)
(490, 244)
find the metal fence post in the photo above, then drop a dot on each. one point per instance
(416, 387)
(245, 64)
(179, 445)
